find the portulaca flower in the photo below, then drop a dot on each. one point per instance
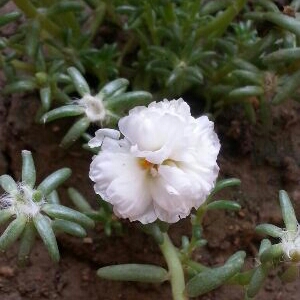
(94, 108)
(164, 165)
(22, 201)
(291, 244)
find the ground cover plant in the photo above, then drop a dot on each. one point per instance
(139, 97)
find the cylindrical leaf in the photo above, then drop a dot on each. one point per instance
(273, 252)
(8, 184)
(269, 229)
(210, 279)
(69, 227)
(79, 201)
(257, 280)
(287, 90)
(53, 197)
(32, 38)
(45, 95)
(66, 213)
(28, 168)
(264, 245)
(223, 204)
(5, 215)
(9, 17)
(75, 132)
(26, 243)
(288, 212)
(134, 272)
(54, 180)
(19, 87)
(63, 7)
(43, 227)
(289, 23)
(128, 100)
(114, 87)
(250, 77)
(80, 83)
(62, 112)
(246, 91)
(282, 56)
(222, 184)
(12, 232)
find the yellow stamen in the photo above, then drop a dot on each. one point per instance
(145, 164)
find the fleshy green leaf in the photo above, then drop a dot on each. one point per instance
(246, 91)
(210, 279)
(290, 86)
(19, 87)
(69, 227)
(5, 215)
(53, 197)
(51, 182)
(66, 213)
(26, 243)
(223, 204)
(128, 100)
(222, 184)
(134, 272)
(269, 229)
(8, 184)
(80, 83)
(75, 132)
(271, 253)
(62, 112)
(45, 95)
(79, 201)
(9, 17)
(282, 55)
(257, 280)
(288, 212)
(12, 232)
(28, 168)
(43, 227)
(114, 88)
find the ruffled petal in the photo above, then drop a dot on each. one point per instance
(170, 203)
(152, 136)
(121, 181)
(101, 134)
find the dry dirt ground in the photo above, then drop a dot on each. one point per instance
(265, 162)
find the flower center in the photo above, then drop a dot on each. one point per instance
(26, 201)
(94, 108)
(148, 166)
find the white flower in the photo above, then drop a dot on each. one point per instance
(21, 202)
(291, 244)
(94, 108)
(163, 167)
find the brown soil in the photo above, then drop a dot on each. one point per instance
(265, 163)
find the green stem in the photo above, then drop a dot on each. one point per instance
(31, 12)
(175, 268)
(219, 25)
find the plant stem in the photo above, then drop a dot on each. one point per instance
(175, 268)
(31, 12)
(219, 25)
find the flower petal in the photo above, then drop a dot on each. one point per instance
(120, 180)
(101, 134)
